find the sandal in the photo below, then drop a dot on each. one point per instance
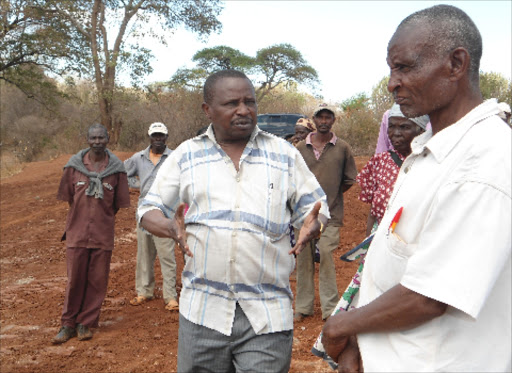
(172, 305)
(138, 300)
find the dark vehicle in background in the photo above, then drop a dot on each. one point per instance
(282, 125)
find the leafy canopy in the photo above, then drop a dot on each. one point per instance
(277, 65)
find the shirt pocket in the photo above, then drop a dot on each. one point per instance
(278, 210)
(391, 262)
(81, 184)
(268, 202)
(109, 187)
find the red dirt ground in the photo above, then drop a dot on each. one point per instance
(129, 339)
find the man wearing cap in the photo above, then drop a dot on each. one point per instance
(331, 161)
(145, 164)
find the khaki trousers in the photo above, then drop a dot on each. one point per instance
(327, 275)
(148, 246)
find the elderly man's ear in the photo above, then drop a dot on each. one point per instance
(459, 63)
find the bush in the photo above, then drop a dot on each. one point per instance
(31, 131)
(359, 129)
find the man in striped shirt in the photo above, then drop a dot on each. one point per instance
(243, 187)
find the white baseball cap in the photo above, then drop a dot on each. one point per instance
(324, 107)
(157, 127)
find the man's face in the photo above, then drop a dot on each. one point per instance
(232, 110)
(97, 140)
(158, 141)
(324, 120)
(419, 79)
(401, 132)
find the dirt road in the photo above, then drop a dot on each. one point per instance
(130, 339)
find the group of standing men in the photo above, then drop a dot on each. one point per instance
(435, 291)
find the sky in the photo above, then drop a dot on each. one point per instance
(345, 41)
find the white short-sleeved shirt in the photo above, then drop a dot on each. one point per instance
(452, 244)
(237, 227)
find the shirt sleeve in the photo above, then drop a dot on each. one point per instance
(66, 190)
(132, 171)
(350, 170)
(122, 197)
(305, 192)
(164, 193)
(131, 166)
(463, 246)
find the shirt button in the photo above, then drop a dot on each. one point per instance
(406, 170)
(233, 234)
(237, 179)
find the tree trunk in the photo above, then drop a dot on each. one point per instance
(105, 106)
(116, 131)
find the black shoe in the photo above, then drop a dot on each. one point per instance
(64, 335)
(84, 333)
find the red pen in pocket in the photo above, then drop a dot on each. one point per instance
(395, 220)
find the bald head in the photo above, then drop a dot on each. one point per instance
(449, 28)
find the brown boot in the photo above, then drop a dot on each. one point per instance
(64, 335)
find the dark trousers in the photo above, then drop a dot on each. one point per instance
(201, 349)
(88, 271)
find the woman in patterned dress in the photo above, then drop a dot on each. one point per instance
(379, 175)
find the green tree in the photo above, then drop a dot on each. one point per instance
(108, 34)
(33, 40)
(223, 58)
(281, 64)
(208, 61)
(495, 85)
(356, 102)
(189, 78)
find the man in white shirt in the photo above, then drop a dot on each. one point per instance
(436, 288)
(243, 187)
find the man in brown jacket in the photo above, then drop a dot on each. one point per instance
(331, 161)
(95, 185)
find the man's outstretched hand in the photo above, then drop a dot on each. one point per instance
(156, 223)
(310, 229)
(179, 231)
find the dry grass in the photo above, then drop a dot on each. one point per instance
(9, 164)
